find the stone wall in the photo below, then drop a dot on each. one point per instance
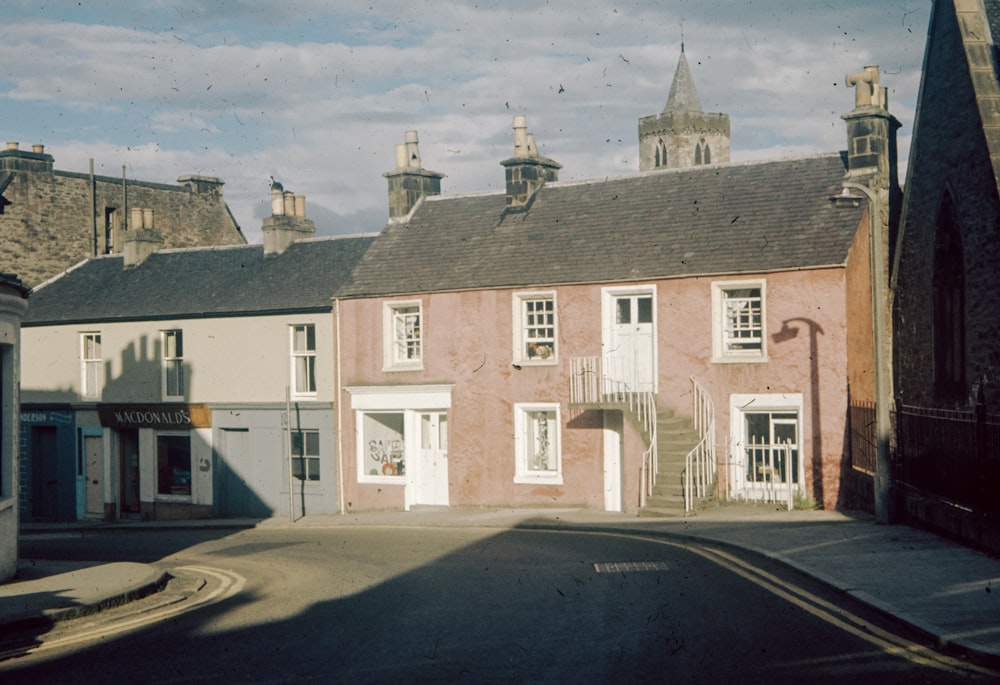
(49, 224)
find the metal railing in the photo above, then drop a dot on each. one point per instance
(771, 472)
(700, 465)
(590, 386)
(950, 454)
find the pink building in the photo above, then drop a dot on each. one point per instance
(620, 344)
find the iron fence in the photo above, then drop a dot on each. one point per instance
(951, 454)
(864, 446)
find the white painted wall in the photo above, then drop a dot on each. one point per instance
(245, 359)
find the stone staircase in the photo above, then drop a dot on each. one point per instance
(676, 436)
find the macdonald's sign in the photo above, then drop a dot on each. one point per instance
(154, 416)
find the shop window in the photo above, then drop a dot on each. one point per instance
(535, 328)
(92, 365)
(173, 464)
(305, 455)
(382, 445)
(304, 360)
(536, 444)
(173, 364)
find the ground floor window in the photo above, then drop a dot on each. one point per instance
(305, 455)
(536, 444)
(382, 444)
(766, 452)
(173, 464)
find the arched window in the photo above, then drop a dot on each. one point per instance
(702, 153)
(949, 305)
(661, 153)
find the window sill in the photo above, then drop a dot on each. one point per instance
(181, 499)
(740, 360)
(537, 362)
(403, 367)
(539, 480)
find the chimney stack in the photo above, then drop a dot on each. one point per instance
(409, 181)
(142, 239)
(287, 223)
(871, 131)
(526, 171)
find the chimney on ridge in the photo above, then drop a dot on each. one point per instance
(409, 181)
(871, 131)
(288, 222)
(526, 171)
(141, 239)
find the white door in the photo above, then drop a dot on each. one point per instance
(629, 349)
(93, 454)
(612, 461)
(428, 482)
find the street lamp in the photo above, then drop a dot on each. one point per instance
(883, 475)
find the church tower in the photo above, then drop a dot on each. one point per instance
(682, 135)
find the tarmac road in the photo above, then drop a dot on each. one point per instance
(409, 604)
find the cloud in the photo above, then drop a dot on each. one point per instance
(318, 95)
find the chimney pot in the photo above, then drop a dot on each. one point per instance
(412, 150)
(401, 161)
(300, 206)
(135, 218)
(147, 217)
(12, 144)
(289, 203)
(520, 136)
(37, 148)
(277, 202)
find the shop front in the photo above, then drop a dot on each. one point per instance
(162, 457)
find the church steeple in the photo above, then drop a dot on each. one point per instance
(683, 135)
(683, 95)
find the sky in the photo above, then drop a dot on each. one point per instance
(317, 93)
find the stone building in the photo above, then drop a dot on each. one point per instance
(52, 219)
(946, 332)
(13, 304)
(683, 135)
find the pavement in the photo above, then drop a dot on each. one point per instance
(947, 591)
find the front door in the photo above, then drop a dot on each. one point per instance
(629, 348)
(44, 473)
(613, 460)
(428, 478)
(93, 455)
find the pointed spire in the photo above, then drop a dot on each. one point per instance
(683, 95)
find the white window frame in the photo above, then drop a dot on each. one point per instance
(722, 352)
(547, 346)
(408, 400)
(392, 316)
(91, 387)
(306, 458)
(524, 449)
(306, 356)
(752, 403)
(172, 363)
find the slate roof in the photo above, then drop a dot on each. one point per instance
(683, 96)
(199, 282)
(710, 220)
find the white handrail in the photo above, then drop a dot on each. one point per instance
(700, 463)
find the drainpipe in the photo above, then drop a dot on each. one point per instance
(338, 418)
(883, 467)
(93, 205)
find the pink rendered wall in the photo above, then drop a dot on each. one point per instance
(468, 343)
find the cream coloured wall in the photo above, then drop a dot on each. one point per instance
(245, 359)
